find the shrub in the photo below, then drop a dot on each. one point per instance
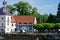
(57, 26)
(44, 25)
(38, 26)
(49, 26)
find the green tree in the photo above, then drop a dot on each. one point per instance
(34, 11)
(51, 19)
(38, 26)
(58, 12)
(23, 8)
(12, 9)
(49, 25)
(57, 26)
(44, 18)
(37, 15)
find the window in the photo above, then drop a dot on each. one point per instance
(15, 24)
(12, 24)
(30, 23)
(8, 21)
(2, 18)
(2, 24)
(1, 29)
(24, 23)
(30, 28)
(20, 23)
(8, 29)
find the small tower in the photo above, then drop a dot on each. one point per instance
(4, 3)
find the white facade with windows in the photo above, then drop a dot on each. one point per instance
(9, 27)
(6, 25)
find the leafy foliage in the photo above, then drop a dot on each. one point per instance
(51, 19)
(58, 12)
(44, 18)
(57, 25)
(47, 26)
(24, 8)
(38, 26)
(12, 9)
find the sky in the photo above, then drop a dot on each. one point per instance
(43, 6)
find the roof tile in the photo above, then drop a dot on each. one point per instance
(23, 19)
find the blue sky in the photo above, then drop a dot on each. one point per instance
(43, 6)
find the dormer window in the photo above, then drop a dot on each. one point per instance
(30, 23)
(20, 23)
(24, 23)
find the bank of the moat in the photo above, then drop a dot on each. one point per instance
(30, 36)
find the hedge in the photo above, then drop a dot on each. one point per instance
(57, 25)
(47, 26)
(38, 26)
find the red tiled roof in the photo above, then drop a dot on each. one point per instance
(23, 19)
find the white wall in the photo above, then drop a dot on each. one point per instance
(8, 21)
(35, 21)
(9, 27)
(5, 21)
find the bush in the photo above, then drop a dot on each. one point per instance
(41, 26)
(57, 26)
(38, 26)
(49, 25)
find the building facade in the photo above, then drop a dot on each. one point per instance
(24, 23)
(10, 23)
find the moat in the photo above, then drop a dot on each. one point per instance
(30, 36)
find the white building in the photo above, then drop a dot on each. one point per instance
(10, 23)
